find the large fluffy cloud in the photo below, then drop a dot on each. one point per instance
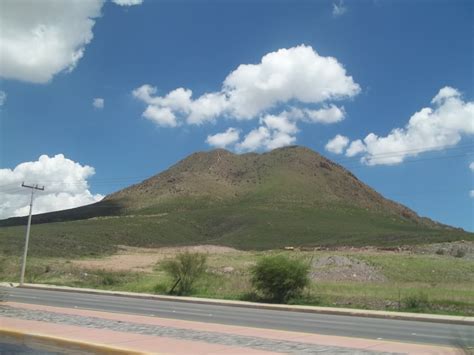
(298, 74)
(65, 186)
(431, 128)
(42, 38)
(287, 86)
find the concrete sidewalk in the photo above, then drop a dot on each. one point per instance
(114, 333)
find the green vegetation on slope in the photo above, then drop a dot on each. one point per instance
(288, 197)
(239, 226)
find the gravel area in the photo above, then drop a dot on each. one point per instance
(343, 268)
(461, 249)
(289, 347)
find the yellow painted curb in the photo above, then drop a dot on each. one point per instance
(49, 341)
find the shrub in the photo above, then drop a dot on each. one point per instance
(184, 270)
(280, 278)
(417, 302)
(108, 280)
(459, 253)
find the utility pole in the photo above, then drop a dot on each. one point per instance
(25, 253)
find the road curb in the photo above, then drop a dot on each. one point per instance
(54, 343)
(420, 317)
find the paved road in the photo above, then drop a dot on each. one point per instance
(360, 327)
(12, 349)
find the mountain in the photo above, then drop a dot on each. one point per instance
(290, 196)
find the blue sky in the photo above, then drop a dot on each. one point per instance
(395, 57)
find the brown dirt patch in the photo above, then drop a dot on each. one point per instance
(342, 268)
(144, 259)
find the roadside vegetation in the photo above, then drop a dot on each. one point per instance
(416, 280)
(278, 278)
(184, 270)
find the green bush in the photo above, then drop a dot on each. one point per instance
(108, 280)
(459, 253)
(417, 302)
(184, 270)
(280, 278)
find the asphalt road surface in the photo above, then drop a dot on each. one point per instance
(12, 349)
(349, 326)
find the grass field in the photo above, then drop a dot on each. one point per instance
(406, 281)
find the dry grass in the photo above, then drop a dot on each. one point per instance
(144, 259)
(446, 280)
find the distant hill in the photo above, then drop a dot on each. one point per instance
(290, 196)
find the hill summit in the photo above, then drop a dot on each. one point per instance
(290, 196)
(293, 176)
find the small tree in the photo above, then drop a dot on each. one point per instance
(185, 269)
(280, 278)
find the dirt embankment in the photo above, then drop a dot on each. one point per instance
(327, 267)
(144, 259)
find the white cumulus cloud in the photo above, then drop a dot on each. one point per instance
(298, 74)
(161, 116)
(471, 166)
(98, 103)
(430, 129)
(65, 184)
(331, 114)
(255, 139)
(471, 193)
(275, 131)
(355, 148)
(337, 144)
(297, 82)
(224, 139)
(42, 38)
(127, 2)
